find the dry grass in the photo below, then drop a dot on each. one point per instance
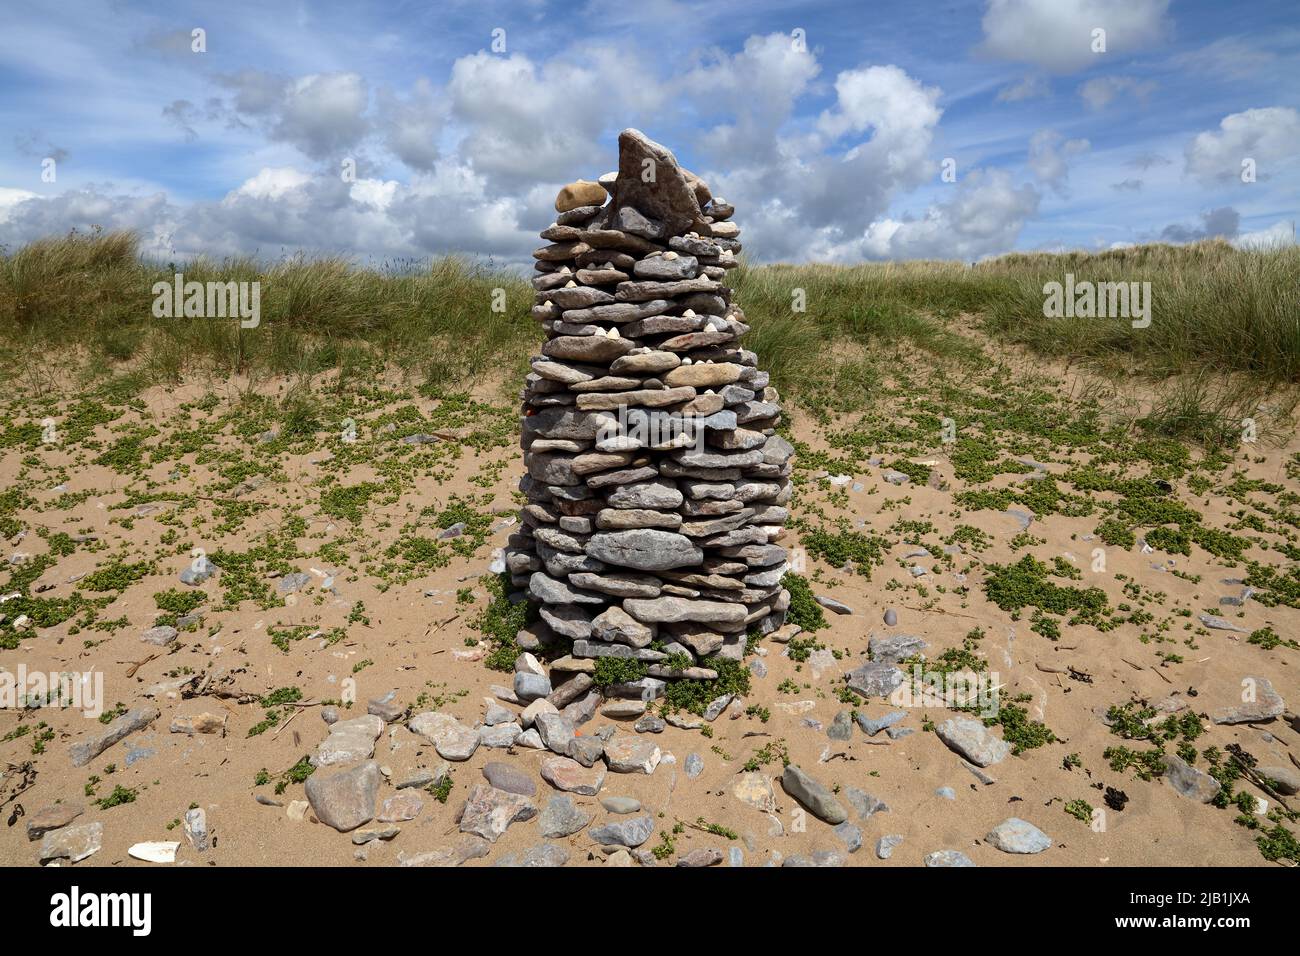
(1219, 314)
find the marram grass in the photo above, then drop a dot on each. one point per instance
(819, 328)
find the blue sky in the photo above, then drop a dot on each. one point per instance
(829, 125)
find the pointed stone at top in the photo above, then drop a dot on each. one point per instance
(651, 182)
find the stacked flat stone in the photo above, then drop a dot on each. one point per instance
(656, 482)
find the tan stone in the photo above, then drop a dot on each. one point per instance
(580, 193)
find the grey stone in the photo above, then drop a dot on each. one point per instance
(196, 828)
(386, 708)
(1189, 782)
(348, 741)
(615, 624)
(345, 800)
(629, 831)
(452, 739)
(468, 847)
(52, 817)
(649, 724)
(529, 687)
(1014, 835)
(541, 855)
(841, 727)
(814, 796)
(946, 858)
(1266, 704)
(871, 727)
(646, 549)
(701, 857)
(561, 818)
(508, 777)
(555, 730)
(974, 741)
(895, 648)
(73, 843)
(886, 845)
(850, 835)
(676, 610)
(199, 570)
(625, 753)
(562, 773)
(621, 804)
(875, 679)
(586, 750)
(84, 751)
(404, 805)
(1286, 780)
(294, 582)
(488, 812)
(832, 605)
(864, 803)
(160, 636)
(499, 736)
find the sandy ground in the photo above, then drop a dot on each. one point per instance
(415, 627)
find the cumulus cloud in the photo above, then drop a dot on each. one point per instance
(1275, 236)
(756, 89)
(1221, 223)
(412, 124)
(530, 122)
(1057, 35)
(152, 216)
(1049, 157)
(1269, 136)
(320, 114)
(812, 195)
(984, 218)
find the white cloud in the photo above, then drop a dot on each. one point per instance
(529, 123)
(9, 198)
(756, 89)
(320, 114)
(412, 124)
(1277, 235)
(1029, 88)
(1049, 157)
(1230, 57)
(984, 218)
(152, 217)
(811, 195)
(1269, 136)
(1057, 35)
(1101, 91)
(271, 183)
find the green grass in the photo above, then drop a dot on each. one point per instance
(324, 314)
(1217, 312)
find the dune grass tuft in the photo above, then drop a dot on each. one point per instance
(828, 334)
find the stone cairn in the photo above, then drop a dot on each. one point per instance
(656, 483)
